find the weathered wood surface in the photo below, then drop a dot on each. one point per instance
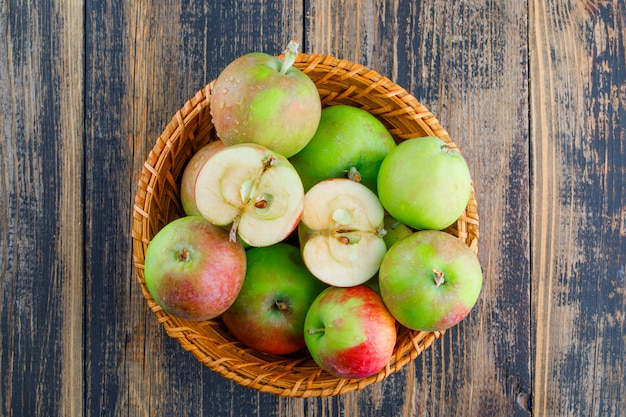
(578, 139)
(533, 93)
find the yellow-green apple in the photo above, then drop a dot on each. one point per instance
(268, 315)
(430, 280)
(349, 332)
(261, 99)
(424, 183)
(395, 231)
(192, 270)
(188, 180)
(349, 142)
(254, 190)
(341, 232)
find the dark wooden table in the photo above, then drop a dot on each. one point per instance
(533, 92)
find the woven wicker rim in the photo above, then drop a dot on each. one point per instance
(157, 203)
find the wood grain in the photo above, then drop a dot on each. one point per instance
(41, 244)
(578, 72)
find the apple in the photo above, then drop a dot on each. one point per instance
(395, 231)
(341, 232)
(261, 99)
(188, 180)
(349, 142)
(373, 283)
(424, 183)
(349, 332)
(268, 315)
(192, 269)
(254, 190)
(430, 280)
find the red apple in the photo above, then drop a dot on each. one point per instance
(260, 99)
(430, 280)
(349, 332)
(268, 315)
(193, 270)
(188, 181)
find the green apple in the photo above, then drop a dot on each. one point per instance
(341, 232)
(349, 142)
(395, 231)
(430, 280)
(190, 173)
(261, 99)
(349, 332)
(192, 269)
(268, 315)
(424, 183)
(254, 190)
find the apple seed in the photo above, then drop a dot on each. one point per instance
(261, 203)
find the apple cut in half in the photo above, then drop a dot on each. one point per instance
(341, 232)
(254, 190)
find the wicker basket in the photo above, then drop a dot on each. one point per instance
(157, 203)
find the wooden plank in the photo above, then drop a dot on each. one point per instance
(144, 60)
(41, 243)
(578, 73)
(467, 62)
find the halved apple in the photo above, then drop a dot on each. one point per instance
(341, 232)
(254, 190)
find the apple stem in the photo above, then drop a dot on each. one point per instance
(449, 148)
(290, 56)
(232, 234)
(281, 305)
(395, 225)
(315, 331)
(183, 255)
(354, 174)
(439, 277)
(269, 162)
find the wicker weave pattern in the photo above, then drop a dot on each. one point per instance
(157, 203)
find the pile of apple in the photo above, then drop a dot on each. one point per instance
(311, 228)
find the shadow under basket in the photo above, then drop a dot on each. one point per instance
(157, 203)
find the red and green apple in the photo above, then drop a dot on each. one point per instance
(261, 99)
(268, 315)
(349, 332)
(192, 269)
(430, 280)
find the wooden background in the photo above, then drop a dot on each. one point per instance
(533, 92)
